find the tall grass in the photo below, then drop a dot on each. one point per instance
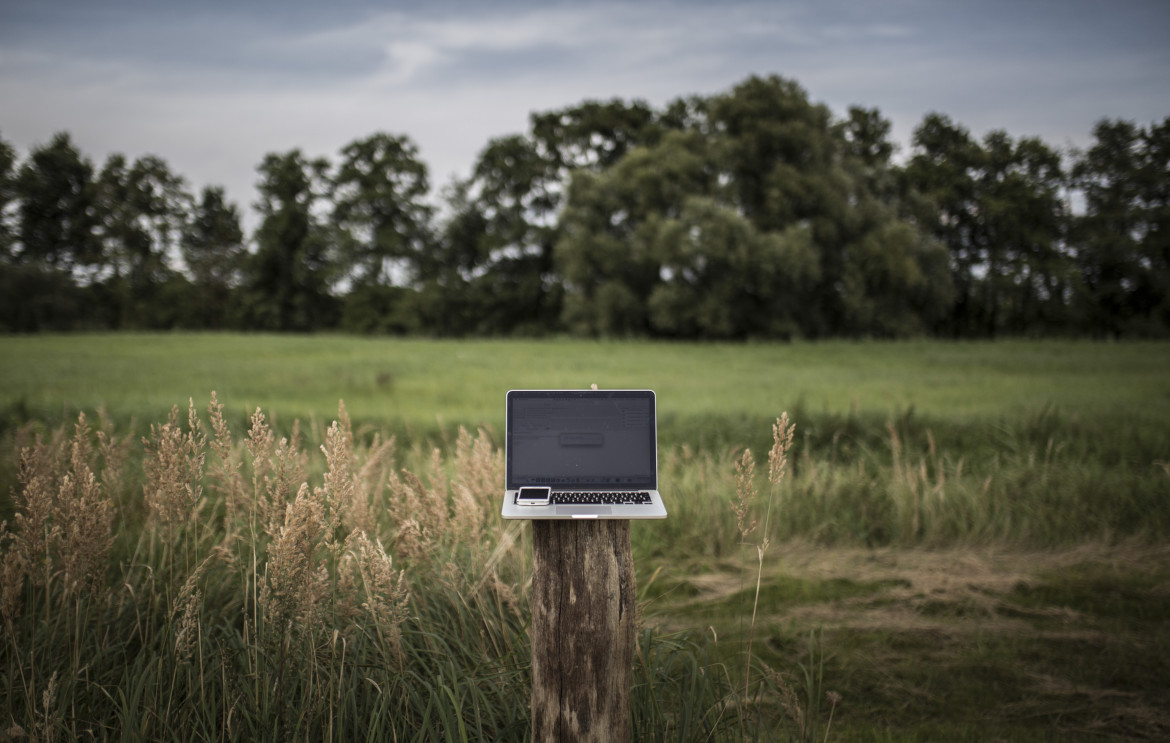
(1034, 480)
(327, 585)
(215, 582)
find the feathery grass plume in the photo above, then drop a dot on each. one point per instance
(113, 452)
(293, 590)
(226, 476)
(370, 480)
(478, 474)
(86, 518)
(336, 493)
(260, 444)
(283, 480)
(387, 593)
(906, 487)
(348, 487)
(12, 571)
(37, 472)
(45, 728)
(185, 608)
(276, 473)
(745, 494)
(424, 520)
(782, 434)
(437, 500)
(409, 543)
(789, 699)
(173, 465)
(278, 469)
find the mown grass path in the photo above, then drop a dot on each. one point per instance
(954, 644)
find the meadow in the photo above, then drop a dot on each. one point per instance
(968, 541)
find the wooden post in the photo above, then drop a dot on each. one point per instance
(583, 606)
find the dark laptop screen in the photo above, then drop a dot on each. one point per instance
(587, 439)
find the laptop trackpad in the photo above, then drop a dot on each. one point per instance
(583, 510)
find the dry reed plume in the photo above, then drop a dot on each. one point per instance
(295, 578)
(174, 469)
(385, 590)
(63, 521)
(782, 435)
(745, 494)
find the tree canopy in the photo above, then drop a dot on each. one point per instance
(752, 213)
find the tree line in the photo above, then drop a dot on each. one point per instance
(753, 213)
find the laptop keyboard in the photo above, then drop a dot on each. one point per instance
(596, 498)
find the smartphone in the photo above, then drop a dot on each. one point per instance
(533, 496)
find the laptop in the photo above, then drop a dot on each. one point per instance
(581, 454)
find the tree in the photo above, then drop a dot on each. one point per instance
(774, 146)
(593, 135)
(7, 201)
(1026, 273)
(288, 278)
(722, 278)
(748, 214)
(999, 209)
(1155, 188)
(213, 250)
(1123, 239)
(827, 187)
(377, 194)
(56, 215)
(141, 210)
(608, 252)
(943, 169)
(500, 237)
(384, 233)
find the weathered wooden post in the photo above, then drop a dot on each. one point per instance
(580, 465)
(583, 607)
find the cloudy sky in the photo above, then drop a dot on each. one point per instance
(212, 86)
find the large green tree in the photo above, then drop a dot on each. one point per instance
(999, 209)
(1123, 238)
(378, 195)
(610, 252)
(384, 234)
(289, 276)
(505, 220)
(56, 215)
(1027, 273)
(213, 250)
(55, 253)
(141, 209)
(502, 234)
(750, 213)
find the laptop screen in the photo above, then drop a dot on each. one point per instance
(582, 439)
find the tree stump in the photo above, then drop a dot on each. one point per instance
(583, 606)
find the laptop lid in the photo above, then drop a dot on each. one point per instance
(582, 440)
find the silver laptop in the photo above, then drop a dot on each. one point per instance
(581, 454)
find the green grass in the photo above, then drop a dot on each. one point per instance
(964, 644)
(970, 533)
(419, 382)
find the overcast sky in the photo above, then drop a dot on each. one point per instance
(212, 86)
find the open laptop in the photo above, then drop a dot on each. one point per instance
(581, 454)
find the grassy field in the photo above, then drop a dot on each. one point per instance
(968, 543)
(419, 382)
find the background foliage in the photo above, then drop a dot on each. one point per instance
(751, 213)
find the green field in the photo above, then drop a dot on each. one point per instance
(420, 382)
(969, 543)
